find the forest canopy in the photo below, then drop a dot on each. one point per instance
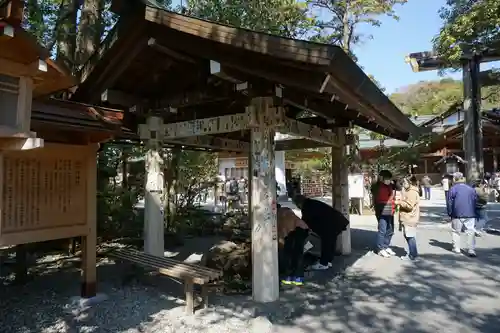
(435, 97)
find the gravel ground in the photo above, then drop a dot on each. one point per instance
(46, 304)
(150, 304)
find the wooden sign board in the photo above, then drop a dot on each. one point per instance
(241, 163)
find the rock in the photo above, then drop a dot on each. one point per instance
(260, 325)
(233, 259)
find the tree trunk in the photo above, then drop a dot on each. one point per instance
(347, 31)
(66, 33)
(90, 29)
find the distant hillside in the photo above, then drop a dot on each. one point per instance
(434, 97)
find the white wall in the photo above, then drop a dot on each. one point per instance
(279, 161)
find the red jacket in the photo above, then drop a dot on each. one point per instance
(384, 200)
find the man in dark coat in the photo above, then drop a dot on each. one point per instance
(326, 222)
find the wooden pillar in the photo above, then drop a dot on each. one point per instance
(21, 268)
(473, 132)
(425, 166)
(262, 207)
(89, 241)
(153, 217)
(495, 159)
(340, 190)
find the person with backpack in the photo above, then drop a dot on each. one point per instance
(482, 201)
(383, 194)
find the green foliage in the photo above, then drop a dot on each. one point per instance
(346, 16)
(279, 17)
(435, 97)
(468, 25)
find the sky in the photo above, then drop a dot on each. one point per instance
(383, 55)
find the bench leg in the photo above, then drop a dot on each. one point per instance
(204, 295)
(189, 290)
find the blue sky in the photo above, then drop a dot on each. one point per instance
(383, 55)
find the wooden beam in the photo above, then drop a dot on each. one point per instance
(311, 132)
(212, 142)
(199, 127)
(117, 97)
(233, 123)
(6, 32)
(181, 100)
(12, 11)
(153, 43)
(113, 71)
(489, 78)
(21, 143)
(298, 144)
(216, 69)
(13, 68)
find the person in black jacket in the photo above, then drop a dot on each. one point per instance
(326, 222)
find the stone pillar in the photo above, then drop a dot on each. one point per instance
(153, 216)
(340, 190)
(262, 207)
(281, 172)
(425, 166)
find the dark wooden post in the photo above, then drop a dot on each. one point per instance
(473, 132)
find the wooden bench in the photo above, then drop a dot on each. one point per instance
(191, 274)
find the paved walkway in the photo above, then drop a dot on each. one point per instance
(444, 292)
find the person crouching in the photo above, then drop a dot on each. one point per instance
(410, 215)
(327, 222)
(292, 233)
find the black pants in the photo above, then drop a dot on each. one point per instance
(294, 252)
(328, 245)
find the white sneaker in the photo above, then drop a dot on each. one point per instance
(319, 267)
(330, 265)
(457, 250)
(384, 253)
(390, 251)
(472, 253)
(408, 258)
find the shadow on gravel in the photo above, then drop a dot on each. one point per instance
(42, 304)
(350, 302)
(344, 299)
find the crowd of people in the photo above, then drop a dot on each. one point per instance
(394, 201)
(465, 206)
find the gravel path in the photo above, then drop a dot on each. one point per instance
(444, 292)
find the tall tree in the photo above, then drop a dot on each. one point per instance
(341, 27)
(344, 17)
(280, 17)
(468, 25)
(90, 29)
(65, 32)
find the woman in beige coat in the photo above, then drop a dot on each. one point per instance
(409, 206)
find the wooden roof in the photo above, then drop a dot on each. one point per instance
(158, 59)
(70, 122)
(20, 55)
(453, 136)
